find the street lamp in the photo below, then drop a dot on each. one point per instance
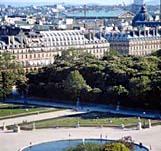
(101, 138)
(30, 146)
(144, 113)
(69, 136)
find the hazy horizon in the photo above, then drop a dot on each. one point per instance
(43, 2)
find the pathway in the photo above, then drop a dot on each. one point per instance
(38, 117)
(15, 141)
(93, 107)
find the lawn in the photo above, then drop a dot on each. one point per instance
(10, 110)
(86, 120)
(3, 105)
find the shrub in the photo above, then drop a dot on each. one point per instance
(115, 147)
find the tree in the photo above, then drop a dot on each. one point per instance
(110, 54)
(10, 72)
(69, 55)
(73, 55)
(134, 81)
(75, 83)
(119, 91)
(139, 85)
(95, 94)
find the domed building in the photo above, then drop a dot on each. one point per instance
(136, 5)
(142, 16)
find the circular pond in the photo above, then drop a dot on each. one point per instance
(64, 144)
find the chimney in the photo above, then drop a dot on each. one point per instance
(89, 36)
(100, 35)
(147, 32)
(133, 33)
(160, 10)
(13, 40)
(156, 30)
(93, 35)
(139, 32)
(9, 40)
(144, 33)
(153, 32)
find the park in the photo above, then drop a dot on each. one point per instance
(54, 124)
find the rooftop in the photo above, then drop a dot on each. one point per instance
(97, 14)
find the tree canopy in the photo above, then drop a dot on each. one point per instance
(10, 71)
(134, 81)
(75, 83)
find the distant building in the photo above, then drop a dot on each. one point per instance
(143, 18)
(136, 5)
(12, 20)
(9, 30)
(109, 17)
(35, 50)
(135, 42)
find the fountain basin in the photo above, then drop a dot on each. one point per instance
(64, 144)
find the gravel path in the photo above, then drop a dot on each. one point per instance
(38, 117)
(15, 141)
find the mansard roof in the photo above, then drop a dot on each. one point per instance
(142, 16)
(134, 35)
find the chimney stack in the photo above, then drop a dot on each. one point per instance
(160, 10)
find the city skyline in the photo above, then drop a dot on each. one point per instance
(27, 2)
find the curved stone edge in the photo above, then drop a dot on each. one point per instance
(136, 143)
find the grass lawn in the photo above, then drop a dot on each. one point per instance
(87, 120)
(7, 110)
(3, 105)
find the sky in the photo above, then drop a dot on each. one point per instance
(68, 1)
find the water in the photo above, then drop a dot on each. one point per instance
(64, 144)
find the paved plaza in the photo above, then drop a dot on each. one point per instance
(15, 141)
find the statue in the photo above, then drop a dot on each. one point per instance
(4, 127)
(16, 128)
(149, 123)
(33, 126)
(78, 124)
(122, 126)
(139, 126)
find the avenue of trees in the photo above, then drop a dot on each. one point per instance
(131, 81)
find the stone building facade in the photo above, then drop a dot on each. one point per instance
(35, 50)
(135, 42)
